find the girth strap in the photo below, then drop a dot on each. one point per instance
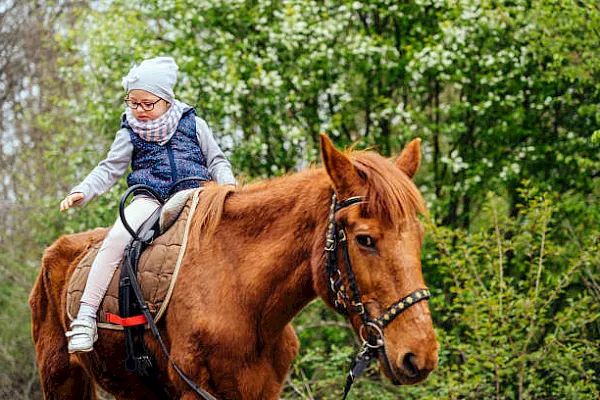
(137, 355)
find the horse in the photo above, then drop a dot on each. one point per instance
(255, 258)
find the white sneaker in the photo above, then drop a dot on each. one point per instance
(83, 335)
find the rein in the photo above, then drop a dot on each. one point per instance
(373, 346)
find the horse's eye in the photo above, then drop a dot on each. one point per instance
(365, 241)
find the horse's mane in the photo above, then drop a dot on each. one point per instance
(210, 207)
(391, 194)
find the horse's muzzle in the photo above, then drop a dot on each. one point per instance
(410, 368)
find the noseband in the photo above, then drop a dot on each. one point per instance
(373, 345)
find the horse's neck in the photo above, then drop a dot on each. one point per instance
(282, 222)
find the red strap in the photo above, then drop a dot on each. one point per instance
(130, 321)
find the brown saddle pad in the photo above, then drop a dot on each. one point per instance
(157, 271)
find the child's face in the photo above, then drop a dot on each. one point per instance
(144, 99)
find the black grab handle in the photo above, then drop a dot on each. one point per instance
(128, 192)
(179, 182)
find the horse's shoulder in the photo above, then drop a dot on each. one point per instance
(67, 247)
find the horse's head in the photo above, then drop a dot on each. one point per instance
(377, 267)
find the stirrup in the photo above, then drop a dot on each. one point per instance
(82, 336)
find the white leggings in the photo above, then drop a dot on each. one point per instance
(111, 252)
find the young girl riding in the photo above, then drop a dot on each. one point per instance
(164, 141)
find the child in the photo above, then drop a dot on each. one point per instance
(164, 141)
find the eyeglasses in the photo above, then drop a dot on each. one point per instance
(146, 105)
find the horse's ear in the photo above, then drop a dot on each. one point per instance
(340, 169)
(410, 158)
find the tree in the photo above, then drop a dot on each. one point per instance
(30, 86)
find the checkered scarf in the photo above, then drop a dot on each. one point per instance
(160, 129)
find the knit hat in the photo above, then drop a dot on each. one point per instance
(156, 75)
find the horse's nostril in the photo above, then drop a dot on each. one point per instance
(409, 365)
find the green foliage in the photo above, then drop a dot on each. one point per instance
(500, 91)
(17, 369)
(505, 95)
(519, 316)
(516, 313)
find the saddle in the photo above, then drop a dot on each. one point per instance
(157, 268)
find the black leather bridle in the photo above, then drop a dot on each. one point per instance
(373, 346)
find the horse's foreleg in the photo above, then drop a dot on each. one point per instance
(61, 379)
(260, 378)
(72, 383)
(264, 379)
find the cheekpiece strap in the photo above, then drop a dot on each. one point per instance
(333, 237)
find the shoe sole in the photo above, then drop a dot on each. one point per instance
(84, 350)
(81, 351)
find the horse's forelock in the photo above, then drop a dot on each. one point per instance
(391, 195)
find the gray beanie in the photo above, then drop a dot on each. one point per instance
(156, 75)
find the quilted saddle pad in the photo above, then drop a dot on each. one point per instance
(157, 271)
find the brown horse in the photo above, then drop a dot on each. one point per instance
(255, 258)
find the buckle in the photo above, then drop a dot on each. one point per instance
(358, 307)
(329, 245)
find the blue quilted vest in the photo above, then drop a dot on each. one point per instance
(161, 166)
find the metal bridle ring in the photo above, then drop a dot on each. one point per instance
(379, 332)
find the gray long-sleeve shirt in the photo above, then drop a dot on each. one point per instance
(109, 170)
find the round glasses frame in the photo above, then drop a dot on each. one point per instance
(146, 105)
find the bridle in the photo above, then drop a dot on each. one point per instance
(373, 346)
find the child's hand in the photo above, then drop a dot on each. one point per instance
(70, 199)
